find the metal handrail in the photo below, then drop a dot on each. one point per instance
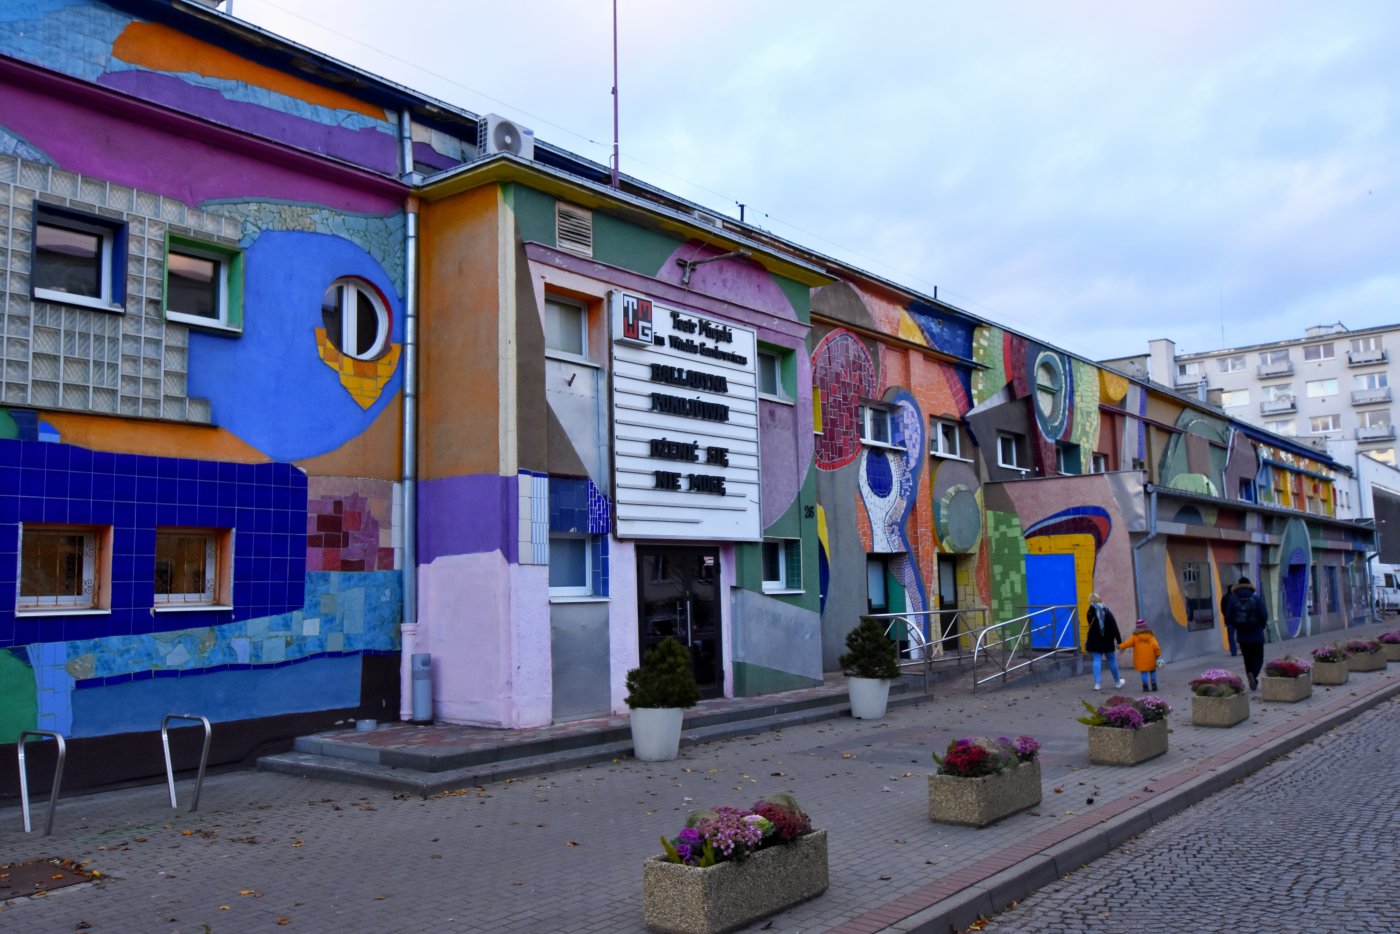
(923, 647)
(24, 737)
(1025, 633)
(203, 758)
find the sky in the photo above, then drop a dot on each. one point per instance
(1092, 174)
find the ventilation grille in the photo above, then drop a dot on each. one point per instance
(573, 229)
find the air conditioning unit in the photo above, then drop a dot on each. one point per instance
(497, 134)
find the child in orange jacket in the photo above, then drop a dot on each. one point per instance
(1146, 651)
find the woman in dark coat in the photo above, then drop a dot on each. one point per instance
(1101, 641)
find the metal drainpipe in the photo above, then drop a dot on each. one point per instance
(409, 487)
(1151, 490)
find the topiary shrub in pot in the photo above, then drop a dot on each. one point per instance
(871, 662)
(659, 691)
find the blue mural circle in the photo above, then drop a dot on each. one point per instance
(878, 473)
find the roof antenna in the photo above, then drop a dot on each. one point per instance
(614, 96)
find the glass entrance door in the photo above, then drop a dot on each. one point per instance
(677, 589)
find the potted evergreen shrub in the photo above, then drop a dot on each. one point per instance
(870, 664)
(729, 867)
(659, 691)
(1286, 680)
(1218, 699)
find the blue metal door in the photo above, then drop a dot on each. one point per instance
(1050, 582)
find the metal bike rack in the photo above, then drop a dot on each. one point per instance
(24, 737)
(203, 758)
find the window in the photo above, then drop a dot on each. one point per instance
(566, 327)
(1334, 590)
(1195, 588)
(356, 318)
(1318, 388)
(192, 567)
(1188, 369)
(203, 285)
(570, 565)
(1320, 424)
(77, 260)
(1067, 459)
(1248, 491)
(1363, 381)
(1319, 352)
(782, 564)
(945, 440)
(1286, 427)
(1376, 418)
(770, 375)
(1273, 357)
(877, 426)
(1366, 344)
(1232, 364)
(1231, 398)
(1098, 463)
(63, 568)
(1009, 451)
(1279, 392)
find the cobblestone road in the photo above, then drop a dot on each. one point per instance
(1309, 843)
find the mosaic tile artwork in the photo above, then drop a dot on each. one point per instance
(344, 534)
(844, 375)
(577, 505)
(363, 379)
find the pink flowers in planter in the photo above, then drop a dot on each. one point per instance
(725, 833)
(1217, 682)
(1126, 712)
(1286, 668)
(974, 757)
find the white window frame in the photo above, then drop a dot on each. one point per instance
(1314, 352)
(1334, 421)
(1365, 381)
(1278, 427)
(574, 590)
(945, 439)
(1368, 343)
(1267, 357)
(1278, 392)
(1234, 398)
(217, 593)
(350, 287)
(770, 362)
(1373, 418)
(1232, 364)
(224, 262)
(551, 302)
(789, 564)
(1098, 462)
(1012, 442)
(872, 414)
(1188, 369)
(1322, 390)
(96, 572)
(107, 260)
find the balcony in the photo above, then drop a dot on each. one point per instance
(1279, 368)
(1363, 357)
(1189, 382)
(1375, 433)
(1368, 396)
(1278, 406)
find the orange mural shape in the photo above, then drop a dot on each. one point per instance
(161, 48)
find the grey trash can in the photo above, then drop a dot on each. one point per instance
(422, 668)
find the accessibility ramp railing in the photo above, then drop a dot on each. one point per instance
(1017, 644)
(929, 636)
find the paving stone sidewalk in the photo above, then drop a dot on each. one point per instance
(563, 851)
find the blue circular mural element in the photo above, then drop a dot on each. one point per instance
(878, 473)
(1050, 389)
(962, 519)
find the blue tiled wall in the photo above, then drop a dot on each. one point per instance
(576, 505)
(264, 504)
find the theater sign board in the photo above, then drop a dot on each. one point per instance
(685, 424)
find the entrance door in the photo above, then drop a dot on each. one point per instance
(1050, 582)
(947, 601)
(677, 589)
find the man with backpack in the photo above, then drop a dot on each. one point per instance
(1246, 614)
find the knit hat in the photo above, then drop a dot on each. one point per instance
(1245, 581)
(1141, 624)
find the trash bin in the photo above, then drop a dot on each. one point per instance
(422, 668)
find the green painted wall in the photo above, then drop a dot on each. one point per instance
(19, 706)
(753, 680)
(748, 558)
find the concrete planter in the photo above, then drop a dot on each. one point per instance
(1111, 745)
(1285, 690)
(681, 899)
(1329, 673)
(869, 697)
(1219, 711)
(1366, 661)
(977, 802)
(1391, 651)
(656, 733)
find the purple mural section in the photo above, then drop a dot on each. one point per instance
(64, 130)
(468, 515)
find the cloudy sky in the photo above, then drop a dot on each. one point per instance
(1093, 173)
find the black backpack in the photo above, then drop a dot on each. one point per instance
(1240, 610)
